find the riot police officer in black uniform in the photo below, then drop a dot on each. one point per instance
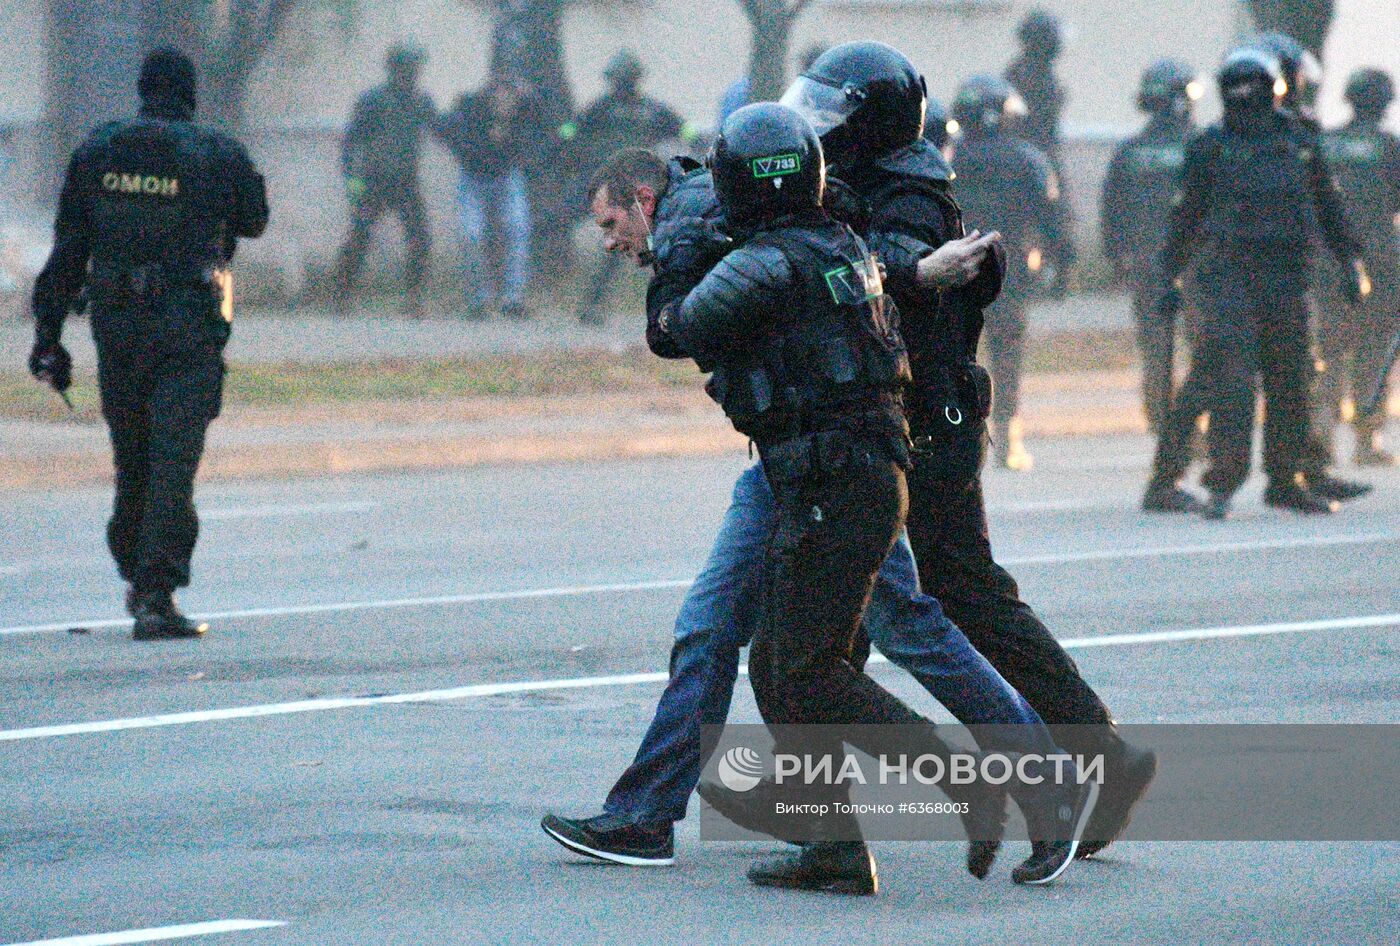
(1137, 198)
(149, 217)
(379, 158)
(867, 102)
(1301, 74)
(1366, 160)
(807, 361)
(1007, 183)
(1256, 191)
(1032, 74)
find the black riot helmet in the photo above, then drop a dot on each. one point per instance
(1041, 34)
(1251, 79)
(767, 163)
(1300, 68)
(1169, 88)
(865, 100)
(985, 103)
(936, 131)
(1370, 92)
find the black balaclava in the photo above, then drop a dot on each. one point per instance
(167, 84)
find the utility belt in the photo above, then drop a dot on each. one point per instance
(947, 420)
(146, 284)
(796, 458)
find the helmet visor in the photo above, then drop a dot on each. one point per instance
(824, 106)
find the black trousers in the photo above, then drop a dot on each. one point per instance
(1006, 321)
(1156, 339)
(947, 525)
(160, 375)
(404, 200)
(1255, 325)
(1356, 340)
(841, 502)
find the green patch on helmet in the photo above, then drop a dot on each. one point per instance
(778, 165)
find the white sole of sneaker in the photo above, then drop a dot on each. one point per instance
(1079, 827)
(626, 859)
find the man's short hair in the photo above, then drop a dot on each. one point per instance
(627, 170)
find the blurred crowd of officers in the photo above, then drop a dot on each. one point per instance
(1001, 137)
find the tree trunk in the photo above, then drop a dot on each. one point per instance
(84, 88)
(768, 56)
(1307, 21)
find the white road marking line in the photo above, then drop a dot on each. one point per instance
(630, 679)
(667, 584)
(158, 934)
(290, 509)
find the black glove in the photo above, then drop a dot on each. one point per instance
(1168, 304)
(53, 365)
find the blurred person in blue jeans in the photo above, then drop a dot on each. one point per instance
(490, 133)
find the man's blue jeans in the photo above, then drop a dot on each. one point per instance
(717, 619)
(505, 199)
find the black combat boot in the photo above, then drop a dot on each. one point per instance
(159, 618)
(1300, 499)
(1217, 507)
(1128, 771)
(829, 866)
(1169, 498)
(1327, 486)
(984, 821)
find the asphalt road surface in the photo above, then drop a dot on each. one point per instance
(349, 758)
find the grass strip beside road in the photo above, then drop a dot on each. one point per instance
(545, 374)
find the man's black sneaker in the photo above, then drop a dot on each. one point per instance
(131, 601)
(1056, 834)
(609, 837)
(753, 810)
(1326, 486)
(1171, 499)
(829, 866)
(159, 619)
(1127, 774)
(1295, 498)
(1217, 507)
(984, 821)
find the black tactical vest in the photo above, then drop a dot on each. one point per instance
(1356, 156)
(1260, 192)
(1151, 174)
(835, 350)
(156, 198)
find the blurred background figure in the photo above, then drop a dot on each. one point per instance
(937, 130)
(1007, 184)
(379, 158)
(1355, 339)
(623, 117)
(491, 134)
(1033, 75)
(1255, 195)
(1135, 210)
(737, 95)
